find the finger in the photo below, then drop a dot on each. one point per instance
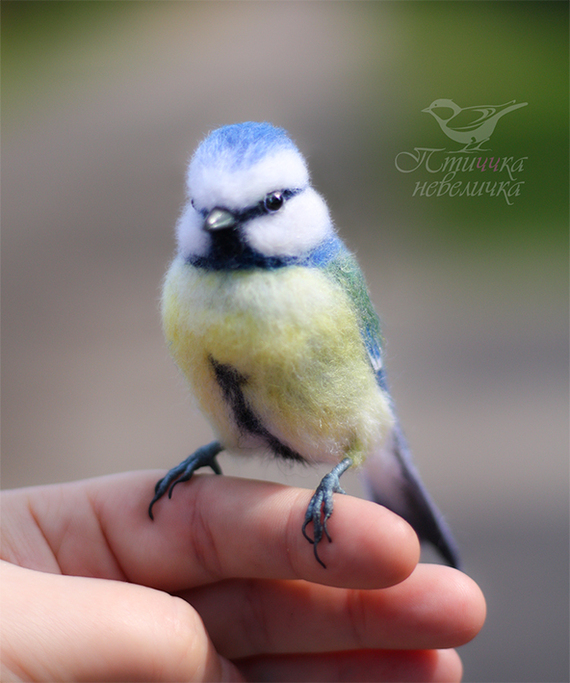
(436, 607)
(100, 528)
(213, 528)
(416, 667)
(62, 628)
(220, 527)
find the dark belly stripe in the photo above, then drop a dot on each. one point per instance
(230, 382)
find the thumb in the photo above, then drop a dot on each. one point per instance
(65, 628)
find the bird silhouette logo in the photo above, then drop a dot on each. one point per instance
(470, 126)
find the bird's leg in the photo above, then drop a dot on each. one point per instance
(474, 146)
(205, 456)
(321, 506)
(478, 148)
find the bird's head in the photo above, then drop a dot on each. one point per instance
(442, 109)
(250, 201)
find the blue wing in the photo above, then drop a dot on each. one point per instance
(390, 476)
(344, 269)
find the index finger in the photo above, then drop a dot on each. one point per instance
(213, 528)
(216, 528)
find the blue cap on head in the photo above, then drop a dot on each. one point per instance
(242, 144)
(237, 165)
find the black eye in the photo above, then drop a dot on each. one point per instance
(273, 201)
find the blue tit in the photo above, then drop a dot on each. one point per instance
(267, 315)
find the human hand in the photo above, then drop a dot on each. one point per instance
(221, 587)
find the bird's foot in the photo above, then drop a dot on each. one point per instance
(473, 146)
(203, 457)
(321, 506)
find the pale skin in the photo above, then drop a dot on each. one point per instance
(221, 587)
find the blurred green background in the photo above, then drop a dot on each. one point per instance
(103, 102)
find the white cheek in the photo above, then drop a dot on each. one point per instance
(302, 224)
(190, 237)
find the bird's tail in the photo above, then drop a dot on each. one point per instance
(392, 480)
(512, 105)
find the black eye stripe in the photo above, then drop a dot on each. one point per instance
(258, 209)
(262, 207)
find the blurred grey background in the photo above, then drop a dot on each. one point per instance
(103, 102)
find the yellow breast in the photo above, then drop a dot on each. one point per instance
(293, 335)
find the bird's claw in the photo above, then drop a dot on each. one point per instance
(321, 507)
(203, 457)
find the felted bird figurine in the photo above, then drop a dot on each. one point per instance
(267, 315)
(471, 126)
